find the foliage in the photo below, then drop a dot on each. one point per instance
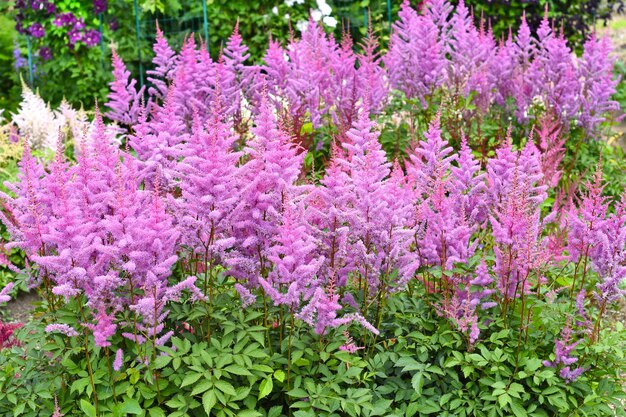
(8, 81)
(418, 366)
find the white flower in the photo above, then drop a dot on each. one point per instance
(76, 120)
(302, 25)
(289, 3)
(36, 121)
(316, 15)
(287, 16)
(275, 10)
(330, 21)
(324, 7)
(299, 1)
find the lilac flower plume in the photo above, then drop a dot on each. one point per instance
(124, 100)
(119, 360)
(61, 328)
(4, 294)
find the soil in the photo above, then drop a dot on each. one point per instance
(20, 308)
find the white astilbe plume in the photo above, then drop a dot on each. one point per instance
(36, 121)
(76, 121)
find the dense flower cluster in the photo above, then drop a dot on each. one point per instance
(362, 233)
(35, 16)
(196, 188)
(318, 79)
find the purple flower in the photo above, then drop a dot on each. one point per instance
(19, 27)
(45, 53)
(92, 37)
(36, 30)
(37, 4)
(19, 60)
(79, 24)
(50, 7)
(64, 19)
(100, 6)
(74, 36)
(114, 25)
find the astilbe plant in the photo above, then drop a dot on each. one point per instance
(95, 236)
(435, 52)
(202, 195)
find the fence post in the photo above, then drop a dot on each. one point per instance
(31, 76)
(206, 26)
(389, 14)
(101, 40)
(138, 43)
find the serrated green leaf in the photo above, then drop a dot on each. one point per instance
(267, 385)
(418, 382)
(156, 412)
(208, 401)
(131, 406)
(237, 370)
(279, 375)
(202, 386)
(225, 387)
(190, 379)
(518, 409)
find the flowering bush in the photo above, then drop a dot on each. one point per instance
(199, 269)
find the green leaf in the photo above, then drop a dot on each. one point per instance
(156, 412)
(429, 407)
(518, 409)
(237, 370)
(88, 409)
(131, 406)
(412, 409)
(279, 375)
(161, 361)
(275, 411)
(201, 387)
(504, 399)
(208, 401)
(249, 413)
(190, 379)
(418, 382)
(225, 387)
(266, 387)
(79, 385)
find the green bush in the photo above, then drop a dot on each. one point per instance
(265, 364)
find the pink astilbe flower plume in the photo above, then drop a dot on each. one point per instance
(416, 61)
(157, 140)
(124, 99)
(564, 358)
(165, 61)
(595, 70)
(295, 262)
(209, 186)
(268, 177)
